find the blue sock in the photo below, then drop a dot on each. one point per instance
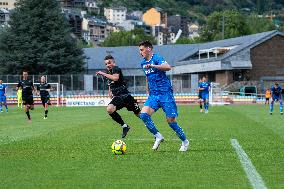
(178, 130)
(0, 107)
(271, 106)
(149, 123)
(281, 106)
(6, 107)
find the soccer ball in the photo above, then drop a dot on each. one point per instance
(118, 147)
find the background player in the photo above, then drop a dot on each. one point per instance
(276, 92)
(267, 96)
(43, 90)
(19, 97)
(3, 99)
(160, 95)
(204, 86)
(118, 92)
(28, 88)
(200, 101)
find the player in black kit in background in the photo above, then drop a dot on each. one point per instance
(118, 92)
(43, 89)
(27, 94)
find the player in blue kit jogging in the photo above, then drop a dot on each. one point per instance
(3, 88)
(160, 95)
(276, 92)
(204, 86)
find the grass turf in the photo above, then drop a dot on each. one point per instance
(71, 149)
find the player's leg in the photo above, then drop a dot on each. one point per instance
(281, 106)
(205, 98)
(1, 101)
(113, 106)
(5, 103)
(170, 108)
(150, 106)
(200, 104)
(27, 108)
(271, 106)
(21, 102)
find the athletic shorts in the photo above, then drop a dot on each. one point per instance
(199, 95)
(267, 99)
(3, 99)
(205, 96)
(165, 101)
(126, 101)
(28, 100)
(276, 98)
(45, 100)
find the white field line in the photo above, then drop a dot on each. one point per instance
(252, 174)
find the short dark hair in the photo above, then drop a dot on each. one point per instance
(276, 83)
(109, 57)
(146, 44)
(25, 71)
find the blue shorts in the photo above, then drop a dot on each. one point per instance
(2, 99)
(276, 98)
(164, 101)
(205, 96)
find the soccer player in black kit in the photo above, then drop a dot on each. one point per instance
(119, 93)
(27, 94)
(43, 89)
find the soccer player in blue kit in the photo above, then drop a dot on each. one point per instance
(276, 92)
(204, 86)
(160, 95)
(3, 88)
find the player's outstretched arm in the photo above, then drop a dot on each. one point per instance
(163, 67)
(113, 77)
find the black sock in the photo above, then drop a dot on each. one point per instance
(116, 117)
(28, 114)
(45, 112)
(200, 106)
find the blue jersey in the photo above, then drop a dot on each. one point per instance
(2, 89)
(206, 87)
(276, 92)
(158, 82)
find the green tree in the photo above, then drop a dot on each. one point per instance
(186, 40)
(127, 38)
(39, 40)
(235, 25)
(259, 24)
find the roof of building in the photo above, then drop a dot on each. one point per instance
(128, 57)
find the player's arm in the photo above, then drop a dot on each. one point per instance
(113, 77)
(164, 66)
(109, 92)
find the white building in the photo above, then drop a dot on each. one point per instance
(115, 15)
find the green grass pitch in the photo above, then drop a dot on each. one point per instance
(72, 149)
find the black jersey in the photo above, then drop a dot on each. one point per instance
(117, 87)
(27, 86)
(42, 89)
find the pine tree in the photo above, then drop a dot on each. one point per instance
(38, 39)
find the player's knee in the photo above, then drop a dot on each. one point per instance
(171, 119)
(110, 109)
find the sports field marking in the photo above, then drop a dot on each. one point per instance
(252, 174)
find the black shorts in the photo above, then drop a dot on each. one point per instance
(267, 99)
(45, 100)
(28, 100)
(126, 101)
(200, 95)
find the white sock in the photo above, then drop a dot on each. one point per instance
(185, 142)
(158, 135)
(123, 126)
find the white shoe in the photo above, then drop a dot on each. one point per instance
(157, 143)
(184, 146)
(206, 111)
